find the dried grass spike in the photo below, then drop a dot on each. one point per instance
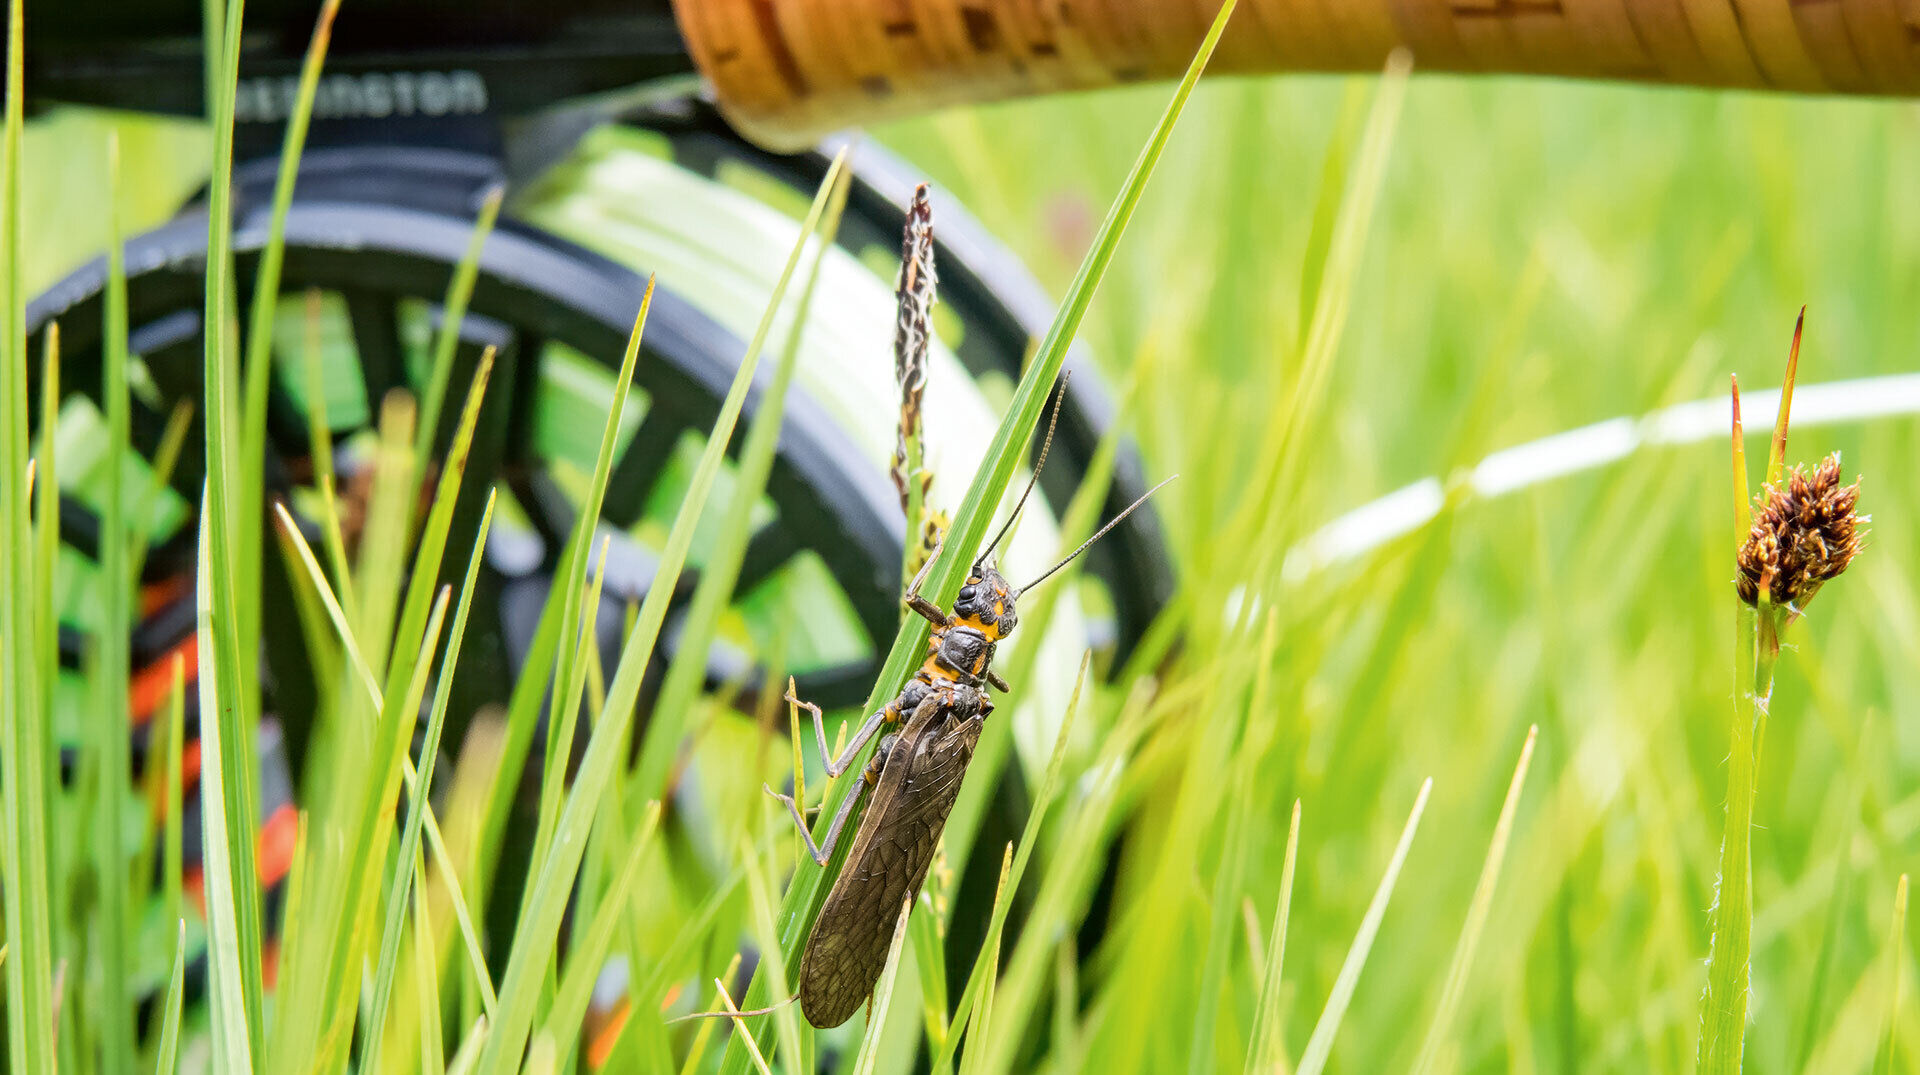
(912, 331)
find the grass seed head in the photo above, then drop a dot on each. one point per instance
(1805, 531)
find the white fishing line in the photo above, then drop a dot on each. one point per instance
(1510, 470)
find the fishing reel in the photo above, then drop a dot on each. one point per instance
(602, 191)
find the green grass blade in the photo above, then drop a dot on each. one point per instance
(930, 954)
(23, 754)
(467, 1057)
(673, 714)
(536, 932)
(167, 1057)
(760, 904)
(363, 672)
(869, 1055)
(173, 857)
(570, 674)
(258, 367)
(426, 971)
(564, 715)
(586, 959)
(1264, 1051)
(978, 1020)
(112, 667)
(1313, 1059)
(388, 962)
(809, 887)
(1723, 1016)
(1814, 1006)
(1477, 911)
(1896, 965)
(454, 307)
(227, 982)
(227, 664)
(978, 979)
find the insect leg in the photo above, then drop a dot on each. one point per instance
(836, 766)
(869, 777)
(919, 604)
(998, 684)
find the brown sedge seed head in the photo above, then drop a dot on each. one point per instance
(1805, 531)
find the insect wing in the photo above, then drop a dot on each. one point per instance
(889, 860)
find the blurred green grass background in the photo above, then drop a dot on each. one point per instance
(1544, 255)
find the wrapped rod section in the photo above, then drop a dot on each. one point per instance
(788, 71)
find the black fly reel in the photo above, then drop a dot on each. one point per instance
(376, 230)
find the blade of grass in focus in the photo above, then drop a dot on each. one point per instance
(1723, 1005)
(552, 879)
(882, 998)
(809, 887)
(227, 983)
(228, 667)
(1313, 1059)
(24, 778)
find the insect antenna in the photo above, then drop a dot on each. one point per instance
(1097, 535)
(1060, 397)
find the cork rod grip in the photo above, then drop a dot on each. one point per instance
(790, 70)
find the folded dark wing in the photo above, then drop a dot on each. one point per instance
(889, 861)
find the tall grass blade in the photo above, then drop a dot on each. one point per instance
(1723, 1005)
(467, 1057)
(426, 970)
(1742, 494)
(23, 754)
(1777, 450)
(570, 675)
(979, 978)
(112, 663)
(228, 666)
(698, 1050)
(227, 982)
(869, 1054)
(552, 879)
(585, 960)
(453, 311)
(1264, 1051)
(687, 673)
(396, 905)
(258, 367)
(167, 1056)
(1896, 966)
(1482, 903)
(1313, 1059)
(357, 662)
(760, 905)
